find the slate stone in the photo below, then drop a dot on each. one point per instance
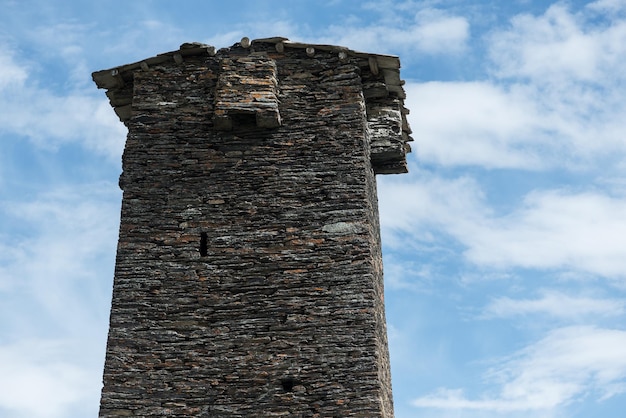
(248, 279)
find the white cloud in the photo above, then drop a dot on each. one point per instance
(438, 32)
(611, 6)
(555, 304)
(11, 73)
(45, 379)
(419, 204)
(62, 41)
(52, 268)
(555, 229)
(552, 229)
(566, 365)
(517, 126)
(56, 269)
(411, 29)
(51, 120)
(458, 123)
(549, 47)
(406, 275)
(555, 98)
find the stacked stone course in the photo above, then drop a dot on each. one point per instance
(248, 280)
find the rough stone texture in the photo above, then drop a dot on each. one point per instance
(247, 85)
(248, 279)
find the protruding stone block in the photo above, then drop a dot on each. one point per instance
(388, 137)
(247, 85)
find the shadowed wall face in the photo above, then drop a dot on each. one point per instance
(248, 279)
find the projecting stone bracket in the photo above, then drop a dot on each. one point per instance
(247, 85)
(389, 135)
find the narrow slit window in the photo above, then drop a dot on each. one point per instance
(288, 383)
(203, 244)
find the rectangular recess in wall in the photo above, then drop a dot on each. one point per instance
(203, 244)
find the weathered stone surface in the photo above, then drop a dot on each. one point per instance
(248, 279)
(380, 77)
(247, 85)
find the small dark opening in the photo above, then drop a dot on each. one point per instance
(288, 383)
(203, 244)
(243, 120)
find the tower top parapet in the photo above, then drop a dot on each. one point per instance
(250, 84)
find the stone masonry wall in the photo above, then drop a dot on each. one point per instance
(248, 280)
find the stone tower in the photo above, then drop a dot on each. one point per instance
(248, 280)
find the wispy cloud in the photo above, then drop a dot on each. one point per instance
(555, 304)
(56, 269)
(551, 229)
(10, 72)
(410, 28)
(611, 6)
(569, 363)
(560, 46)
(555, 87)
(47, 379)
(555, 229)
(50, 119)
(494, 126)
(53, 266)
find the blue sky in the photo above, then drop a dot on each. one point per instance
(504, 247)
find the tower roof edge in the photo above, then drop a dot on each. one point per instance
(112, 77)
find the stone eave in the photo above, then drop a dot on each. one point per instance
(384, 89)
(388, 65)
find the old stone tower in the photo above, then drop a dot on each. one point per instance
(248, 280)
